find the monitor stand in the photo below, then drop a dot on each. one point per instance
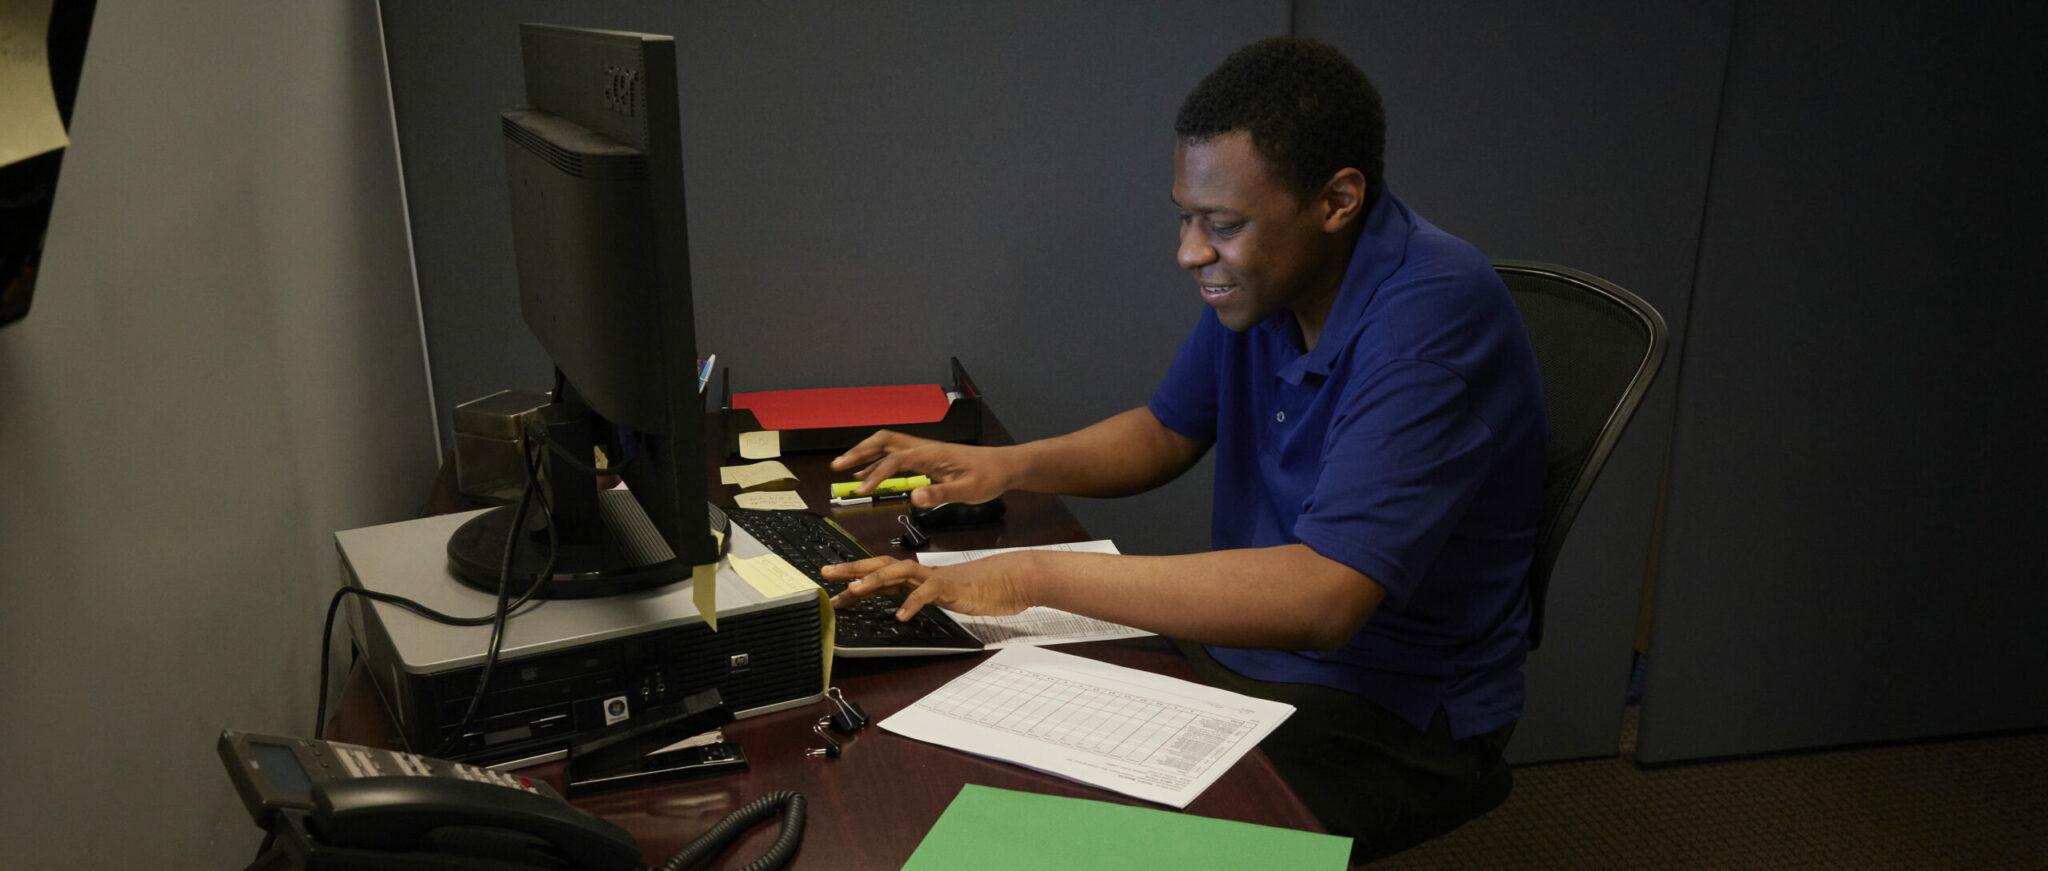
(604, 542)
(629, 555)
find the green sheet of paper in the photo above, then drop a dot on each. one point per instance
(989, 829)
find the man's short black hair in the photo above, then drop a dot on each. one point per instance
(1310, 111)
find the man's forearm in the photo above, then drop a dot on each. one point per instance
(1286, 597)
(1129, 453)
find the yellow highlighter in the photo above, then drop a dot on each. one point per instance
(887, 487)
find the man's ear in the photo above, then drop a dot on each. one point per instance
(1343, 197)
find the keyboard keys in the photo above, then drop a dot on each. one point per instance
(809, 543)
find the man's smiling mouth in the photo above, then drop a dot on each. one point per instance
(1217, 291)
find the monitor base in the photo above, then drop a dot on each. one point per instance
(476, 555)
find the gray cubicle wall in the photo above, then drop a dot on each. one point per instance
(1854, 522)
(873, 188)
(1578, 135)
(222, 368)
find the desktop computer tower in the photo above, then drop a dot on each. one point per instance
(567, 666)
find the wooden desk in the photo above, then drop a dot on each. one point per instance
(870, 807)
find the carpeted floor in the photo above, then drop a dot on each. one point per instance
(1966, 803)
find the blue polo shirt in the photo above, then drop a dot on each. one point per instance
(1409, 445)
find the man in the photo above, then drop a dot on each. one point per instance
(1372, 400)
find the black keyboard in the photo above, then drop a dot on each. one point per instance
(869, 627)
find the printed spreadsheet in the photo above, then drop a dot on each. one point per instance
(1138, 733)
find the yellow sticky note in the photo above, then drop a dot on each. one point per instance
(756, 475)
(771, 500)
(763, 444)
(704, 592)
(772, 576)
(827, 629)
(29, 121)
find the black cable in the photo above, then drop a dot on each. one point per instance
(540, 435)
(532, 494)
(327, 636)
(497, 642)
(588, 468)
(327, 632)
(789, 804)
(492, 619)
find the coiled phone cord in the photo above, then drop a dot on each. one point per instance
(789, 804)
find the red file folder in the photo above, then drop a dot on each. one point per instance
(832, 407)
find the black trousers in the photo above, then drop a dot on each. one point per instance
(1368, 774)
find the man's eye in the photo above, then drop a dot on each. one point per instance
(1229, 229)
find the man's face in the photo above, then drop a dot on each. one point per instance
(1253, 247)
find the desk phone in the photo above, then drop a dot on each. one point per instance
(331, 806)
(343, 806)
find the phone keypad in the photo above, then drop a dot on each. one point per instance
(485, 775)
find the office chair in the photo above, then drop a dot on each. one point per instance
(1597, 348)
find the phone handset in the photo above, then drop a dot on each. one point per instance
(467, 818)
(344, 806)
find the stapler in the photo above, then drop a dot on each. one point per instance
(636, 753)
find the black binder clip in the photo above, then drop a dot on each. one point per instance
(847, 717)
(912, 537)
(831, 750)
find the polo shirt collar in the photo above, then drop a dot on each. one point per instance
(1381, 247)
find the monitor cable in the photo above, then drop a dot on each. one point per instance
(531, 495)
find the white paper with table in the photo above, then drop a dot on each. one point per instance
(1033, 626)
(1141, 734)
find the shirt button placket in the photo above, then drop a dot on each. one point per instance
(1279, 417)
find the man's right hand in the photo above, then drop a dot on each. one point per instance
(959, 473)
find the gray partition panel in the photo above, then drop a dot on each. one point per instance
(1579, 138)
(222, 368)
(1852, 548)
(872, 188)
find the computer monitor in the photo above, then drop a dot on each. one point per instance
(594, 162)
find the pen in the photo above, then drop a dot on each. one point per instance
(863, 500)
(704, 366)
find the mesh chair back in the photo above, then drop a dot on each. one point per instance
(1597, 347)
